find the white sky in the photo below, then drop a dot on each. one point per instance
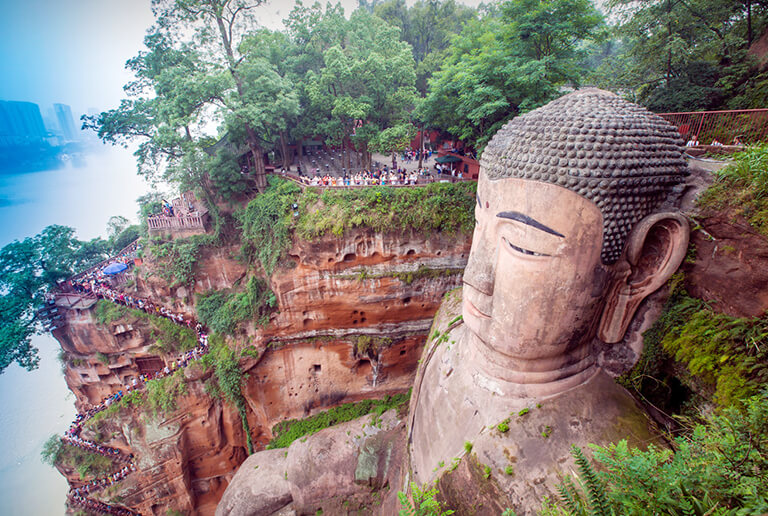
(74, 51)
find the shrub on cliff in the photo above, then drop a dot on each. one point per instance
(743, 187)
(721, 467)
(288, 431)
(438, 207)
(728, 353)
(266, 223)
(177, 258)
(223, 311)
(163, 392)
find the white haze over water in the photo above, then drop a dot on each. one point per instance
(35, 405)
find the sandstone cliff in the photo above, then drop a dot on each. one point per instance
(331, 292)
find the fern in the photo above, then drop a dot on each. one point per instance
(595, 488)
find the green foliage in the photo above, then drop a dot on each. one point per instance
(168, 336)
(101, 357)
(223, 312)
(721, 467)
(135, 399)
(437, 207)
(51, 450)
(27, 270)
(266, 223)
(163, 392)
(424, 502)
(229, 379)
(742, 187)
(370, 346)
(486, 472)
(177, 258)
(106, 312)
(523, 411)
(512, 60)
(503, 427)
(509, 470)
(729, 353)
(288, 431)
(87, 464)
(467, 447)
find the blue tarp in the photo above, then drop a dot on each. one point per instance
(114, 268)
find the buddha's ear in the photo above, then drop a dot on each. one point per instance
(655, 249)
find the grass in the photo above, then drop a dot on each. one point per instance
(439, 207)
(286, 432)
(743, 187)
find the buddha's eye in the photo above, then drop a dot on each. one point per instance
(527, 252)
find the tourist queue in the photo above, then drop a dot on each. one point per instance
(94, 283)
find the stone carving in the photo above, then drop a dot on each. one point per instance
(570, 238)
(611, 152)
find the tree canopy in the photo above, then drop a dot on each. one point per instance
(28, 269)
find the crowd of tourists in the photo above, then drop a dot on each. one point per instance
(96, 284)
(104, 482)
(125, 256)
(92, 505)
(366, 178)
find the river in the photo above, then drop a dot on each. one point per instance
(34, 405)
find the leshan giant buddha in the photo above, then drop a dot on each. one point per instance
(575, 226)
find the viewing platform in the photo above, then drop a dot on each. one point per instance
(187, 216)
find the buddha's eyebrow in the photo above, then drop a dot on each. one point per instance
(525, 219)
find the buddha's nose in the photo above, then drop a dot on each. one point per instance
(479, 271)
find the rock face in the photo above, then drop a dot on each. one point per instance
(335, 291)
(339, 470)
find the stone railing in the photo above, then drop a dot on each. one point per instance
(421, 181)
(159, 222)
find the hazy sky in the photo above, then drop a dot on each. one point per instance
(74, 51)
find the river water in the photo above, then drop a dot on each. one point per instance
(34, 405)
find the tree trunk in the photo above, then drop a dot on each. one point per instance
(421, 147)
(259, 172)
(284, 151)
(394, 159)
(347, 162)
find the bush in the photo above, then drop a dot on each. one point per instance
(106, 312)
(266, 223)
(87, 464)
(169, 337)
(288, 431)
(743, 186)
(163, 392)
(729, 353)
(720, 468)
(223, 312)
(424, 502)
(229, 380)
(179, 256)
(439, 207)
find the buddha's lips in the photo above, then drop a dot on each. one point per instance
(474, 310)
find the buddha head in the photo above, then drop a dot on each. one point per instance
(575, 226)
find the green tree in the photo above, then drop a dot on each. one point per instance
(514, 59)
(28, 269)
(685, 54)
